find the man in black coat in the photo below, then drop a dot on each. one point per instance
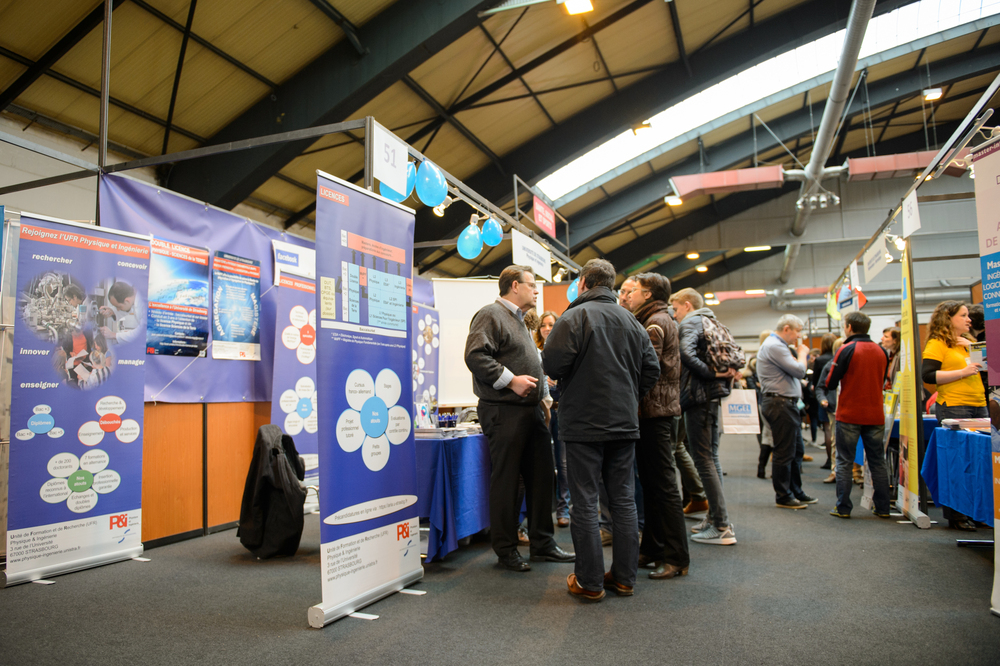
(605, 363)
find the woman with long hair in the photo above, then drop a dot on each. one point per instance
(825, 356)
(541, 334)
(946, 363)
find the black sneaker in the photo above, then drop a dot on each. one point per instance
(881, 514)
(837, 514)
(806, 499)
(791, 504)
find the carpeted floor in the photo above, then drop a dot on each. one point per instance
(799, 588)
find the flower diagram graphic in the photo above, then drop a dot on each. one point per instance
(79, 481)
(300, 403)
(373, 420)
(426, 344)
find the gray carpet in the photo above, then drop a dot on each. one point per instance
(800, 587)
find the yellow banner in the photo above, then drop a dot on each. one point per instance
(909, 411)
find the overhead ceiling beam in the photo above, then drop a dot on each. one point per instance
(350, 31)
(52, 56)
(329, 89)
(725, 267)
(177, 75)
(803, 23)
(679, 36)
(607, 214)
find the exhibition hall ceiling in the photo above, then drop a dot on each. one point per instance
(486, 95)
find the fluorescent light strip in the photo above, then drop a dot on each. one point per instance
(891, 30)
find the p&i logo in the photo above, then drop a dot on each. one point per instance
(121, 520)
(402, 531)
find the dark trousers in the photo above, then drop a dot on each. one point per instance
(519, 445)
(611, 462)
(664, 538)
(702, 424)
(786, 428)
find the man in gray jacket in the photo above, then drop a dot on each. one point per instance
(605, 363)
(506, 376)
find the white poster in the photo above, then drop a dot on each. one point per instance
(875, 259)
(911, 214)
(293, 260)
(529, 253)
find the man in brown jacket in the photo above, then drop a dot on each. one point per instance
(664, 539)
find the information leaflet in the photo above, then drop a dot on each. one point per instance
(77, 399)
(293, 391)
(369, 531)
(178, 299)
(235, 308)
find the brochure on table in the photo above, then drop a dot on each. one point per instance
(75, 484)
(370, 531)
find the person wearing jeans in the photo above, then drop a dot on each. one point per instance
(860, 366)
(701, 389)
(781, 376)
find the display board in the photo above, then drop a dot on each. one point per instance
(426, 348)
(986, 159)
(370, 545)
(458, 301)
(146, 209)
(75, 484)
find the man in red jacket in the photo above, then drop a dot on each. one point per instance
(860, 365)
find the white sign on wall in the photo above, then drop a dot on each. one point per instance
(389, 157)
(529, 253)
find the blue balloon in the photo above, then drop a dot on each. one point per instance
(470, 242)
(573, 291)
(430, 184)
(393, 195)
(492, 232)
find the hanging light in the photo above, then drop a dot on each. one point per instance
(672, 200)
(933, 94)
(757, 248)
(638, 127)
(574, 7)
(692, 255)
(701, 268)
(439, 209)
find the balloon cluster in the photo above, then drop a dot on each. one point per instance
(432, 188)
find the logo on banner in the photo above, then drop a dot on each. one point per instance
(739, 410)
(334, 195)
(120, 520)
(287, 258)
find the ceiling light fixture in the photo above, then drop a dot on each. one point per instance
(439, 209)
(701, 269)
(574, 7)
(755, 292)
(692, 255)
(933, 94)
(638, 127)
(672, 200)
(757, 248)
(709, 295)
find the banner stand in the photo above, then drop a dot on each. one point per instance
(6, 580)
(321, 615)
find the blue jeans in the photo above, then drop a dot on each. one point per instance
(847, 445)
(559, 454)
(702, 424)
(587, 464)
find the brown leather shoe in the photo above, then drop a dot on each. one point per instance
(807, 458)
(696, 506)
(563, 522)
(611, 584)
(831, 479)
(647, 561)
(665, 571)
(579, 592)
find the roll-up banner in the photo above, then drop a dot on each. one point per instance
(367, 461)
(75, 485)
(294, 399)
(986, 160)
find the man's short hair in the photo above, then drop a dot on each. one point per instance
(120, 291)
(689, 295)
(788, 320)
(657, 285)
(978, 317)
(859, 322)
(598, 273)
(71, 291)
(512, 274)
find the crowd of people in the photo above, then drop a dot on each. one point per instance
(621, 397)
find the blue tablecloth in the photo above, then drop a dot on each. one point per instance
(930, 423)
(958, 472)
(453, 490)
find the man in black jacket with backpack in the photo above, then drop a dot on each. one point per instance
(702, 387)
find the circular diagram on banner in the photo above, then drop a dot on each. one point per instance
(109, 409)
(374, 420)
(41, 422)
(79, 481)
(301, 335)
(300, 407)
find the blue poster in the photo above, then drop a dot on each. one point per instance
(426, 346)
(235, 308)
(178, 299)
(369, 532)
(294, 400)
(76, 401)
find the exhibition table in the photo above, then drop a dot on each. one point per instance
(930, 423)
(958, 472)
(453, 486)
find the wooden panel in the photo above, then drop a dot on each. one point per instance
(555, 297)
(232, 429)
(171, 470)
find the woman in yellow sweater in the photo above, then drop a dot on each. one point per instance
(946, 363)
